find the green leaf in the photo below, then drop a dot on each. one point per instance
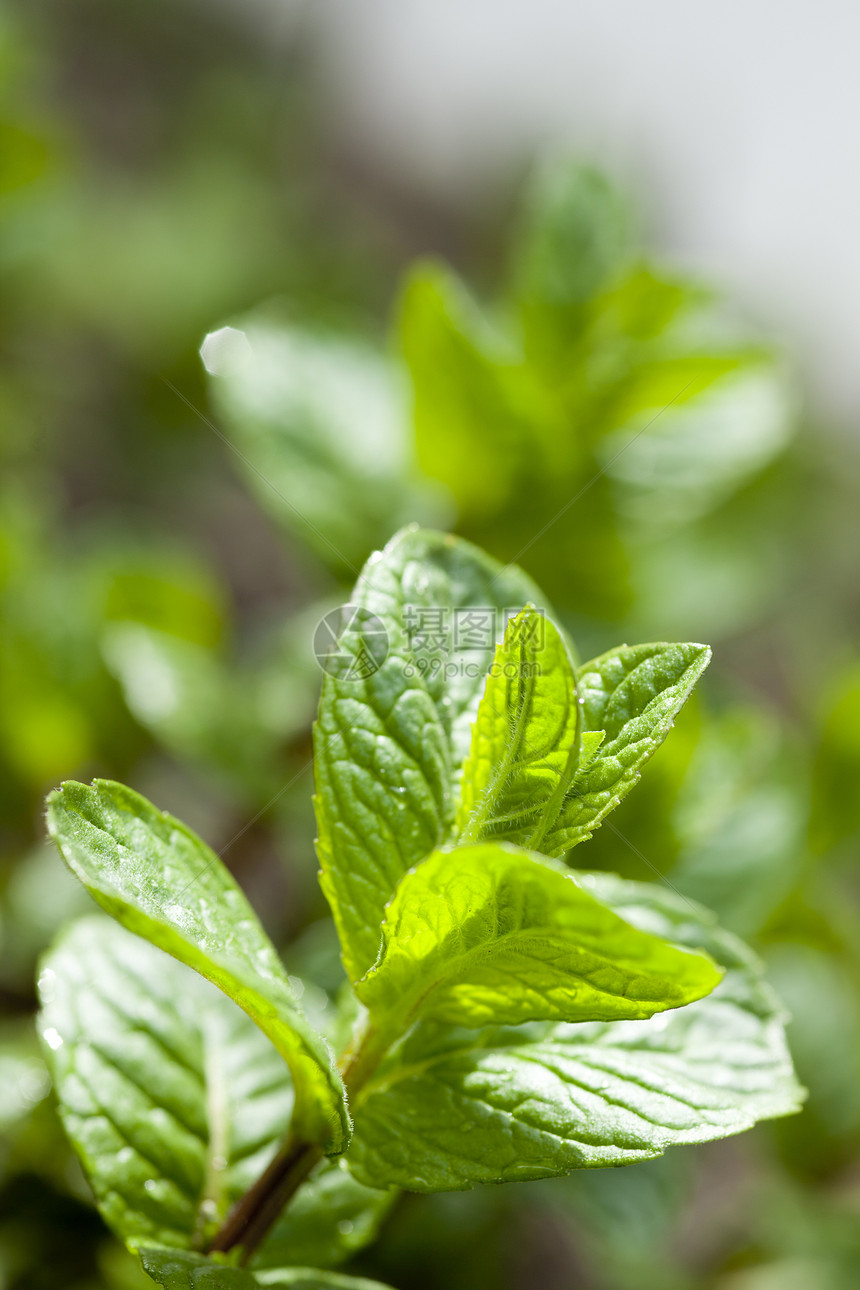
(289, 398)
(453, 1108)
(741, 819)
(836, 765)
(736, 413)
(390, 736)
(161, 881)
(474, 400)
(525, 741)
(503, 435)
(492, 935)
(630, 698)
(179, 1270)
(172, 1097)
(575, 236)
(175, 1102)
(233, 716)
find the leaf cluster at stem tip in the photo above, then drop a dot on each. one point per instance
(506, 1011)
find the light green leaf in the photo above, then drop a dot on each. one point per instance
(172, 1097)
(525, 741)
(161, 881)
(492, 935)
(390, 735)
(179, 1270)
(454, 1108)
(630, 698)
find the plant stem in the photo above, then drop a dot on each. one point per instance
(362, 1058)
(251, 1218)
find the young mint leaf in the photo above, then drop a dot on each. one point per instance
(489, 934)
(509, 431)
(575, 236)
(474, 397)
(180, 1270)
(630, 698)
(390, 736)
(172, 1097)
(525, 741)
(161, 881)
(453, 1108)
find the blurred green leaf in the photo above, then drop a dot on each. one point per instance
(534, 412)
(320, 425)
(575, 232)
(177, 1270)
(699, 452)
(741, 819)
(180, 602)
(24, 1079)
(836, 766)
(821, 992)
(473, 400)
(232, 716)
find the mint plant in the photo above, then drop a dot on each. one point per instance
(504, 1017)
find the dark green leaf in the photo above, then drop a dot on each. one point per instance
(179, 1270)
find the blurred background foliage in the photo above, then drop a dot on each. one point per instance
(171, 530)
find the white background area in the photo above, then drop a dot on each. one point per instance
(735, 123)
